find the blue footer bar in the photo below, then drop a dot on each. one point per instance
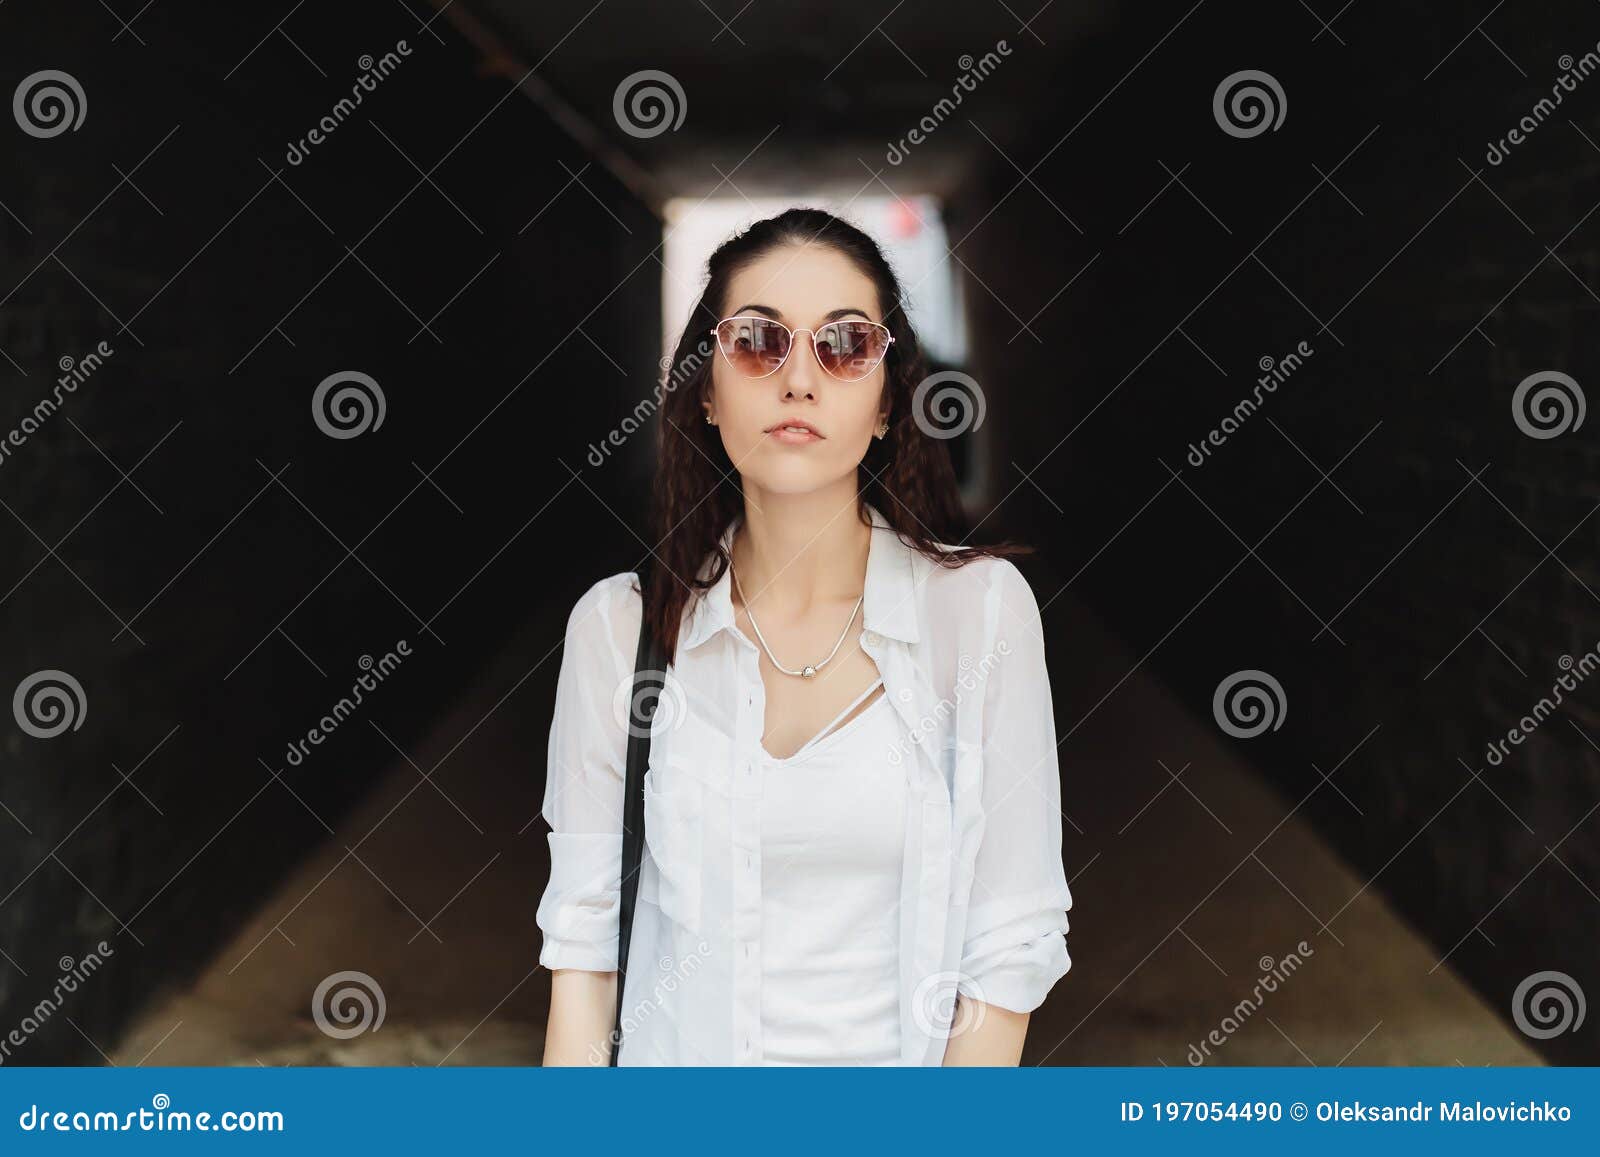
(765, 1111)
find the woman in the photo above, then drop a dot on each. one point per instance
(852, 817)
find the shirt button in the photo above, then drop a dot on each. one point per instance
(870, 638)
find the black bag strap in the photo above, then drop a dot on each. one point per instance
(648, 677)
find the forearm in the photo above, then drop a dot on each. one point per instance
(985, 1034)
(583, 1007)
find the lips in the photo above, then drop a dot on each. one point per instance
(794, 433)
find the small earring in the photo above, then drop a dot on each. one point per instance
(883, 428)
(709, 422)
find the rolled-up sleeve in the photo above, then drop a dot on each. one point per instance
(578, 913)
(1015, 948)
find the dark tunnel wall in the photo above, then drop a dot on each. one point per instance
(179, 534)
(1378, 534)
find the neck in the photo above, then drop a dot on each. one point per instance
(793, 551)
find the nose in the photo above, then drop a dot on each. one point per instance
(801, 370)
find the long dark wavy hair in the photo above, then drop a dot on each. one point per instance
(907, 474)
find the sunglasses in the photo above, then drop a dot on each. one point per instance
(848, 350)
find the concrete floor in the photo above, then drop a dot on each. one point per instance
(1183, 892)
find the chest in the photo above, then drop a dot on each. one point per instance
(799, 710)
(833, 818)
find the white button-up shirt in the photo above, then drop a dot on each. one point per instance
(983, 892)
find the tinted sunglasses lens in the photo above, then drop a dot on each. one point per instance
(755, 346)
(850, 350)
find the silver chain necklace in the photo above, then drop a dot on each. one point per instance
(807, 672)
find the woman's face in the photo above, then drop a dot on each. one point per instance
(801, 286)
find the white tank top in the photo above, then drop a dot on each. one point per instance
(832, 840)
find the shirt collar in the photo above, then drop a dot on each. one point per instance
(889, 607)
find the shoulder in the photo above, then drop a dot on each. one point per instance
(987, 603)
(982, 586)
(606, 618)
(614, 593)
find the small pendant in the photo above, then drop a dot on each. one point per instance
(807, 672)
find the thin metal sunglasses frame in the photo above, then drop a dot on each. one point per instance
(794, 334)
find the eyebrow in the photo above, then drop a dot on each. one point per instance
(777, 315)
